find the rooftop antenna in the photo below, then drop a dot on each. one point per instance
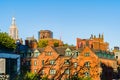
(60, 36)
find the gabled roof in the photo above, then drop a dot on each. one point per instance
(41, 49)
(105, 54)
(61, 50)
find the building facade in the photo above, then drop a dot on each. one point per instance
(42, 34)
(47, 36)
(9, 66)
(61, 63)
(13, 31)
(94, 42)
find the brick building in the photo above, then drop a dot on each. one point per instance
(94, 42)
(90, 58)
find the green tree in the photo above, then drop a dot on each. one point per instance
(79, 78)
(42, 43)
(44, 78)
(6, 42)
(56, 44)
(67, 45)
(27, 76)
(86, 78)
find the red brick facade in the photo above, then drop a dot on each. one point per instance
(65, 62)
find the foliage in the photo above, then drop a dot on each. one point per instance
(75, 78)
(79, 78)
(27, 76)
(44, 78)
(6, 42)
(42, 43)
(86, 78)
(67, 45)
(56, 44)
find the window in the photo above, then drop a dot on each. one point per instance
(35, 63)
(68, 53)
(87, 54)
(36, 54)
(52, 71)
(87, 64)
(28, 54)
(49, 53)
(75, 65)
(116, 57)
(67, 61)
(42, 72)
(67, 71)
(28, 63)
(52, 62)
(35, 70)
(76, 54)
(42, 62)
(87, 74)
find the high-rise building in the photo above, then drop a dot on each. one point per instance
(13, 31)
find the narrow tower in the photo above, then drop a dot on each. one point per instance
(13, 31)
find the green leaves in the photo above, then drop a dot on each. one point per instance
(42, 43)
(6, 42)
(29, 76)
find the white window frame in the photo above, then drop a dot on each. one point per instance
(52, 62)
(52, 71)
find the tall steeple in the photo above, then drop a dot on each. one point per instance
(13, 30)
(13, 20)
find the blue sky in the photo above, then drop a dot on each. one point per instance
(66, 18)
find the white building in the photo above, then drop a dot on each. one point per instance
(13, 31)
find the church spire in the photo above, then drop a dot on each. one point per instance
(13, 20)
(13, 31)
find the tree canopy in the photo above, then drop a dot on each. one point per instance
(6, 42)
(42, 43)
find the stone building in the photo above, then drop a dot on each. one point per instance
(47, 35)
(43, 34)
(13, 31)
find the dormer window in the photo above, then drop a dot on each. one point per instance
(76, 53)
(68, 52)
(36, 53)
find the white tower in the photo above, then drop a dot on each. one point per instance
(13, 32)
